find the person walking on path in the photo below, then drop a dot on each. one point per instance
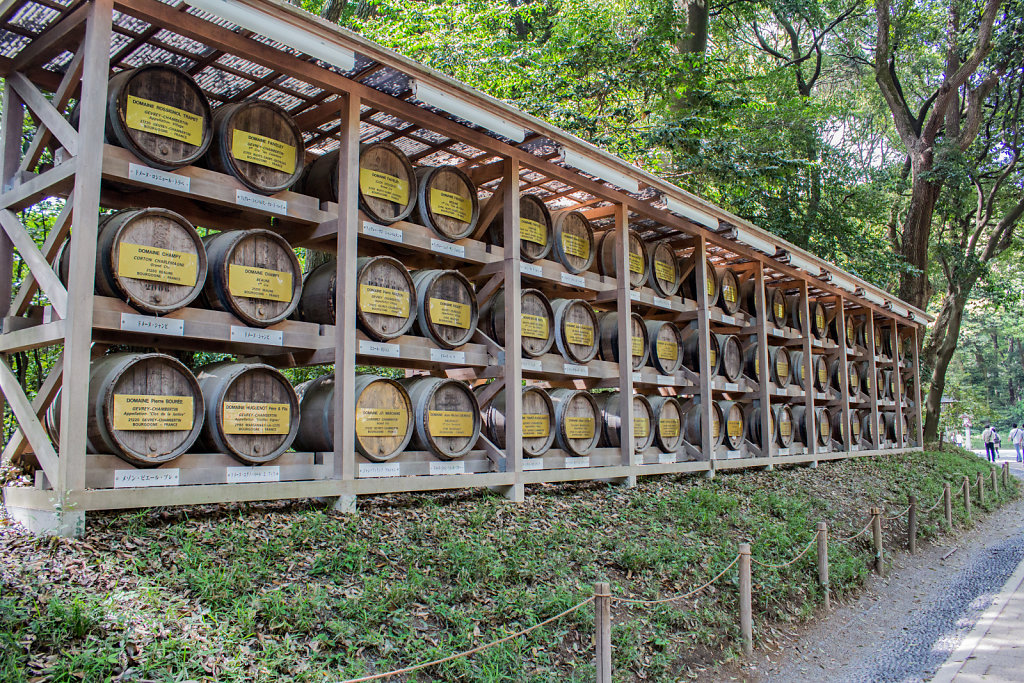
(1017, 437)
(989, 437)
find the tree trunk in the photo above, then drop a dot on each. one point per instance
(945, 336)
(917, 225)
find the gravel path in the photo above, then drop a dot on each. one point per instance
(904, 626)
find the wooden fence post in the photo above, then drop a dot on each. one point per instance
(994, 481)
(823, 561)
(603, 631)
(947, 505)
(876, 537)
(1006, 473)
(979, 481)
(746, 607)
(912, 526)
(967, 497)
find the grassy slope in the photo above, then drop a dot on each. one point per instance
(271, 592)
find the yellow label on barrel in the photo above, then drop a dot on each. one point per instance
(637, 346)
(534, 326)
(854, 378)
(381, 422)
(450, 423)
(641, 427)
(716, 427)
(579, 427)
(532, 231)
(867, 381)
(822, 373)
(451, 313)
(819, 320)
(142, 413)
(450, 204)
(157, 265)
(536, 425)
(734, 427)
(256, 418)
(163, 119)
(713, 358)
(259, 283)
(579, 333)
(383, 186)
(384, 301)
(711, 285)
(849, 330)
(785, 428)
(636, 263)
(757, 366)
(729, 292)
(264, 151)
(664, 271)
(574, 245)
(668, 350)
(803, 373)
(780, 310)
(781, 368)
(669, 427)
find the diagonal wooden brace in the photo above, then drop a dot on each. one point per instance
(45, 113)
(58, 233)
(37, 263)
(28, 421)
(62, 95)
(17, 443)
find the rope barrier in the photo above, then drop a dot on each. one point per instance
(937, 504)
(481, 648)
(897, 515)
(850, 538)
(793, 561)
(631, 601)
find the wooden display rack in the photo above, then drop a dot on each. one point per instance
(70, 52)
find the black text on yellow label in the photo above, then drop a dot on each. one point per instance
(450, 313)
(383, 186)
(532, 231)
(162, 119)
(535, 326)
(384, 301)
(381, 422)
(259, 283)
(450, 204)
(256, 418)
(157, 265)
(133, 412)
(264, 151)
(536, 425)
(450, 423)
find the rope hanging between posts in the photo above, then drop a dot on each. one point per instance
(897, 515)
(806, 550)
(679, 597)
(937, 503)
(856, 535)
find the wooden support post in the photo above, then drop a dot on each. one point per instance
(876, 539)
(746, 603)
(763, 363)
(994, 481)
(844, 370)
(897, 393)
(704, 331)
(345, 305)
(967, 497)
(11, 129)
(918, 406)
(810, 418)
(869, 334)
(513, 332)
(912, 525)
(823, 562)
(603, 631)
(1006, 473)
(625, 324)
(947, 504)
(979, 481)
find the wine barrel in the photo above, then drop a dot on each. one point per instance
(729, 356)
(689, 280)
(868, 427)
(573, 240)
(784, 421)
(534, 228)
(824, 427)
(690, 340)
(778, 310)
(668, 420)
(257, 142)
(536, 319)
(854, 376)
(855, 426)
(383, 416)
(664, 273)
(387, 181)
(799, 423)
(611, 412)
(820, 374)
(253, 274)
(889, 420)
(446, 310)
(885, 335)
(638, 263)
(577, 421)
(446, 201)
(885, 385)
(780, 365)
(735, 423)
(538, 421)
(752, 360)
(153, 259)
(692, 428)
(858, 331)
(795, 314)
(446, 416)
(839, 427)
(252, 411)
(145, 408)
(576, 330)
(754, 425)
(797, 371)
(608, 324)
(159, 114)
(730, 286)
(819, 320)
(666, 346)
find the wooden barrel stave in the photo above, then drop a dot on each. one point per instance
(608, 324)
(446, 416)
(781, 363)
(257, 142)
(446, 309)
(576, 329)
(446, 201)
(537, 321)
(538, 421)
(572, 241)
(535, 238)
(577, 420)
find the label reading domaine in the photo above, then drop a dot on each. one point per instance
(457, 467)
(379, 469)
(531, 269)
(130, 479)
(151, 176)
(130, 322)
(572, 463)
(253, 335)
(445, 356)
(253, 475)
(442, 247)
(573, 369)
(261, 202)
(372, 348)
(574, 280)
(382, 231)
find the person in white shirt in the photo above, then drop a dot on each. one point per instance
(1017, 437)
(988, 436)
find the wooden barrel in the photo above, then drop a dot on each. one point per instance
(795, 313)
(383, 416)
(856, 423)
(835, 373)
(608, 324)
(854, 375)
(159, 114)
(839, 427)
(577, 421)
(668, 421)
(145, 408)
(784, 421)
(729, 356)
(820, 374)
(537, 321)
(153, 259)
(735, 423)
(885, 384)
(446, 416)
(799, 423)
(638, 263)
(573, 240)
(867, 426)
(534, 228)
(754, 424)
(778, 306)
(692, 428)
(730, 286)
(538, 421)
(576, 330)
(690, 340)
(858, 331)
(819, 320)
(664, 273)
(889, 420)
(252, 411)
(824, 427)
(885, 335)
(780, 365)
(666, 346)
(689, 284)
(752, 360)
(446, 201)
(446, 311)
(253, 274)
(387, 181)
(257, 142)
(797, 371)
(611, 412)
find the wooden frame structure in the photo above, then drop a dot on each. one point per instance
(69, 48)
